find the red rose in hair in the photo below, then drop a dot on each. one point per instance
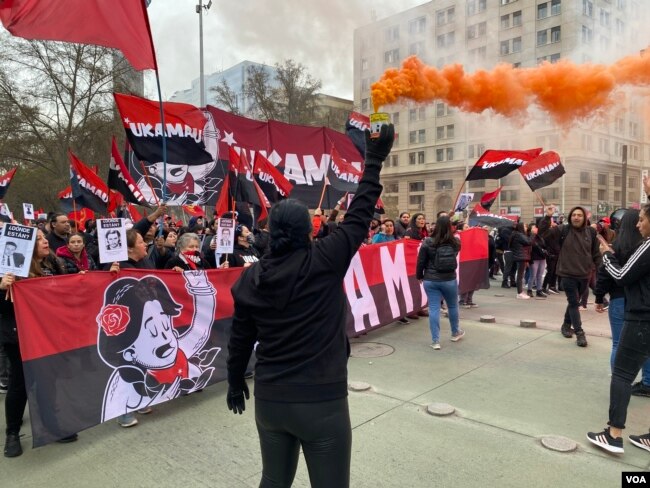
(113, 319)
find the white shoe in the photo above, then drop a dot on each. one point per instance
(523, 296)
(435, 346)
(458, 336)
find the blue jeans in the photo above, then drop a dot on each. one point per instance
(616, 311)
(436, 290)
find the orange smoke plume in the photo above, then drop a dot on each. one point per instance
(564, 90)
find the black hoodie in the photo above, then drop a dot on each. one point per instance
(295, 306)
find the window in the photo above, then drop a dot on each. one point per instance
(516, 18)
(602, 195)
(587, 34)
(585, 194)
(476, 6)
(416, 186)
(634, 152)
(604, 17)
(509, 195)
(482, 28)
(440, 132)
(365, 103)
(542, 37)
(617, 181)
(420, 157)
(617, 196)
(478, 184)
(556, 34)
(450, 131)
(510, 180)
(516, 45)
(421, 136)
(393, 160)
(413, 135)
(478, 54)
(620, 4)
(619, 125)
(412, 157)
(549, 194)
(554, 58)
(585, 178)
(634, 129)
(392, 33)
(440, 109)
(588, 8)
(442, 185)
(416, 201)
(602, 180)
(620, 26)
(632, 182)
(413, 115)
(603, 145)
(440, 155)
(416, 157)
(556, 7)
(364, 64)
(445, 16)
(422, 111)
(391, 56)
(542, 11)
(504, 48)
(450, 154)
(416, 48)
(505, 21)
(392, 187)
(395, 118)
(365, 84)
(417, 26)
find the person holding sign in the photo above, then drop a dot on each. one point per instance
(291, 303)
(43, 263)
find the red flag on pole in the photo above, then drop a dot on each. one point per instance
(119, 24)
(489, 198)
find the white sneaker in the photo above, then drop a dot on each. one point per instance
(523, 296)
(127, 420)
(435, 346)
(458, 336)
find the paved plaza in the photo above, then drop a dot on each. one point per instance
(510, 387)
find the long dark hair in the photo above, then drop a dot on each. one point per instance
(443, 233)
(628, 237)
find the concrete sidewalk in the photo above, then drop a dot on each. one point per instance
(510, 386)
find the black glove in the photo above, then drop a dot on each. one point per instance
(379, 147)
(235, 399)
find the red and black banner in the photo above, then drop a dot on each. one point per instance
(489, 198)
(300, 153)
(65, 199)
(342, 175)
(184, 130)
(88, 189)
(481, 216)
(494, 164)
(120, 179)
(5, 181)
(543, 170)
(142, 337)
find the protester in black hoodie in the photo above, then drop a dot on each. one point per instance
(292, 303)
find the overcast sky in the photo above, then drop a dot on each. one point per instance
(317, 34)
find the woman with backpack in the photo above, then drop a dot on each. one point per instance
(436, 265)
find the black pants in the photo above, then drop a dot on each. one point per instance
(322, 429)
(633, 350)
(510, 268)
(574, 288)
(16, 399)
(550, 279)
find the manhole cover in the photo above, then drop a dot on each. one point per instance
(370, 350)
(559, 443)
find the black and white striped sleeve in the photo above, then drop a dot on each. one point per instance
(637, 267)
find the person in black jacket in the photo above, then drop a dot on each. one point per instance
(520, 247)
(634, 345)
(439, 284)
(503, 243)
(537, 262)
(292, 303)
(188, 254)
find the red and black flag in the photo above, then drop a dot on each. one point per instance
(342, 175)
(543, 170)
(482, 216)
(65, 199)
(272, 183)
(473, 266)
(120, 179)
(5, 181)
(243, 187)
(119, 24)
(88, 189)
(355, 128)
(184, 130)
(81, 216)
(489, 198)
(494, 164)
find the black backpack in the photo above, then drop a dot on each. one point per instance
(445, 258)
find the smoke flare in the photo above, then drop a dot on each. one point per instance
(564, 90)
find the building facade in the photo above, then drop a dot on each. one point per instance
(438, 144)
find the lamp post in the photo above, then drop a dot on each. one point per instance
(199, 10)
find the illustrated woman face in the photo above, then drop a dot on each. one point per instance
(157, 344)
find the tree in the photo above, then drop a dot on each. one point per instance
(54, 97)
(288, 93)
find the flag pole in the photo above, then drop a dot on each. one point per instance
(540, 199)
(322, 194)
(146, 177)
(458, 195)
